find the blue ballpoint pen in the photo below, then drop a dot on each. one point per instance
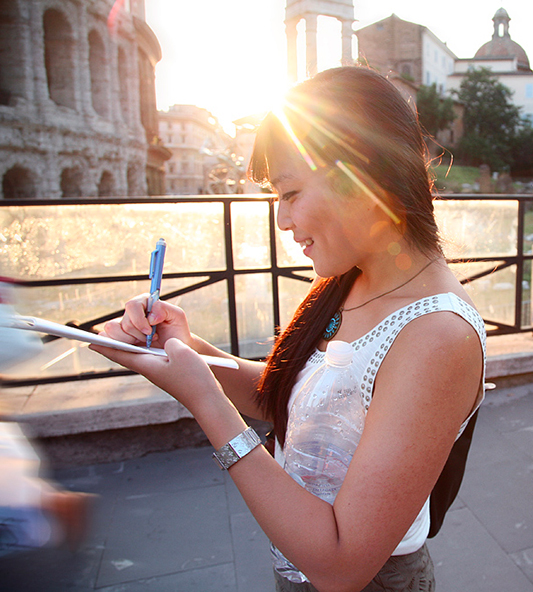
(156, 275)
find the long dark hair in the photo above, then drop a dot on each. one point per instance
(356, 123)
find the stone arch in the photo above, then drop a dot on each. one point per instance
(99, 75)
(11, 52)
(19, 182)
(59, 58)
(106, 185)
(71, 182)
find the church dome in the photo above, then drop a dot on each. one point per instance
(501, 45)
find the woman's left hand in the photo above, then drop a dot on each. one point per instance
(183, 374)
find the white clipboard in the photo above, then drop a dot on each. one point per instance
(51, 328)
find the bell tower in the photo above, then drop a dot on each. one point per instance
(310, 10)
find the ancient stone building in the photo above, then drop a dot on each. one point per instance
(77, 100)
(310, 10)
(194, 137)
(408, 49)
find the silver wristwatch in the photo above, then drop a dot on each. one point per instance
(235, 449)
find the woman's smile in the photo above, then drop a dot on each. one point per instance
(306, 244)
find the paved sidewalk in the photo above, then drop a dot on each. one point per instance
(174, 522)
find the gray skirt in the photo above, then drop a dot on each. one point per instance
(401, 573)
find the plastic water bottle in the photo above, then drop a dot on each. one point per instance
(325, 425)
(324, 428)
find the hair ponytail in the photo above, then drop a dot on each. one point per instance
(294, 346)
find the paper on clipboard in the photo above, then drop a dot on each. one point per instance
(51, 328)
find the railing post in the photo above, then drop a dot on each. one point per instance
(519, 263)
(230, 270)
(274, 266)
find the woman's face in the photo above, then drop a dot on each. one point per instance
(336, 231)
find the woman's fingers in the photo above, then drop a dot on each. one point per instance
(170, 321)
(123, 331)
(134, 320)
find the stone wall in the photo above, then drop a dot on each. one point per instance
(70, 100)
(393, 44)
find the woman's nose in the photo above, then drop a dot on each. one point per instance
(283, 217)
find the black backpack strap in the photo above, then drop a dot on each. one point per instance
(449, 482)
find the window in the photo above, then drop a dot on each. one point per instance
(58, 58)
(19, 182)
(12, 57)
(71, 180)
(529, 91)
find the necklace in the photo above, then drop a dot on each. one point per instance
(336, 320)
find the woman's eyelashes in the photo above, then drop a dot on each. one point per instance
(288, 195)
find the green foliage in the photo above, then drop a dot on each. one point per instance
(491, 121)
(435, 113)
(451, 179)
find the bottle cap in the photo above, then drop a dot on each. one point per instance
(339, 353)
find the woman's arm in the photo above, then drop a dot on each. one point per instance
(171, 322)
(239, 386)
(425, 389)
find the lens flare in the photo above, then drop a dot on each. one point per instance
(313, 122)
(353, 177)
(113, 14)
(294, 138)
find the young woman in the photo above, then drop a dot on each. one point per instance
(346, 159)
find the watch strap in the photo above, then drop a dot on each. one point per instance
(227, 455)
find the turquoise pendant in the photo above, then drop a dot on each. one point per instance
(333, 326)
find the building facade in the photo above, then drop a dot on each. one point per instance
(409, 49)
(77, 100)
(194, 137)
(507, 61)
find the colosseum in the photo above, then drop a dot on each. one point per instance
(78, 114)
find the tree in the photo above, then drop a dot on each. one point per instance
(434, 112)
(522, 150)
(491, 121)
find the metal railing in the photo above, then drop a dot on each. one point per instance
(501, 222)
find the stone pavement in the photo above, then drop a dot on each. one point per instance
(172, 521)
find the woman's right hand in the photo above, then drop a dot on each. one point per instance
(134, 326)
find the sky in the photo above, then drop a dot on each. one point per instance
(229, 56)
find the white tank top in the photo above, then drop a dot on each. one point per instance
(371, 349)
